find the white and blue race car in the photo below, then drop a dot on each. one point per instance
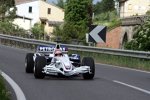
(44, 62)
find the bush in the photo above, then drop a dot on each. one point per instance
(38, 31)
(109, 19)
(8, 27)
(141, 38)
(69, 32)
(148, 12)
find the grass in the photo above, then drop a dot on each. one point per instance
(4, 94)
(130, 62)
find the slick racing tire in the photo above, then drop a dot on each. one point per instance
(88, 61)
(40, 63)
(29, 63)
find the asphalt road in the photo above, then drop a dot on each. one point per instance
(110, 83)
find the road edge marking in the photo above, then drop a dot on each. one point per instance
(137, 70)
(133, 87)
(19, 93)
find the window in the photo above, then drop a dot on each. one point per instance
(30, 9)
(49, 11)
(43, 22)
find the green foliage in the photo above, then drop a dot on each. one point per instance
(105, 14)
(5, 11)
(61, 3)
(69, 32)
(109, 19)
(7, 27)
(11, 14)
(78, 16)
(38, 31)
(104, 6)
(108, 5)
(148, 12)
(97, 8)
(4, 94)
(141, 38)
(9, 3)
(78, 12)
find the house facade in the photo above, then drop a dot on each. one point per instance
(23, 22)
(133, 7)
(40, 12)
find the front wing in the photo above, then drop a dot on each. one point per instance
(52, 70)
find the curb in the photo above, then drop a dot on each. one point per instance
(19, 93)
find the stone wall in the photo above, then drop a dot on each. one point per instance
(116, 37)
(112, 39)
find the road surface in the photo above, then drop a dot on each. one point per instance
(110, 83)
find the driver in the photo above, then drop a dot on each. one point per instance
(58, 53)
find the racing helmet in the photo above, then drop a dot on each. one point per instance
(58, 52)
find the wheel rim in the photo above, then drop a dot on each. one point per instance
(25, 62)
(34, 69)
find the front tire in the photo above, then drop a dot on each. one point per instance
(40, 63)
(29, 63)
(88, 61)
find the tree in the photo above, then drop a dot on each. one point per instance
(77, 11)
(78, 16)
(5, 11)
(141, 38)
(60, 3)
(108, 5)
(97, 8)
(38, 30)
(104, 6)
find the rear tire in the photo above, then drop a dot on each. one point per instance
(29, 63)
(40, 63)
(88, 61)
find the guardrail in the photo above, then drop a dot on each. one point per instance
(118, 52)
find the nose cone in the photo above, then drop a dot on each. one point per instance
(68, 67)
(66, 63)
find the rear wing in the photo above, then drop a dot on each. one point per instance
(51, 49)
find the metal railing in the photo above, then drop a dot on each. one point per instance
(118, 52)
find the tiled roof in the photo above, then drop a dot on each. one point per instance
(24, 1)
(21, 1)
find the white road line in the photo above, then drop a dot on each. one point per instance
(133, 87)
(19, 94)
(125, 68)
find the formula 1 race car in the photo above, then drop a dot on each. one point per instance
(54, 60)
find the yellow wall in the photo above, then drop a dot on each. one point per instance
(57, 14)
(134, 7)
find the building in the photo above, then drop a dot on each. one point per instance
(38, 11)
(133, 7)
(23, 22)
